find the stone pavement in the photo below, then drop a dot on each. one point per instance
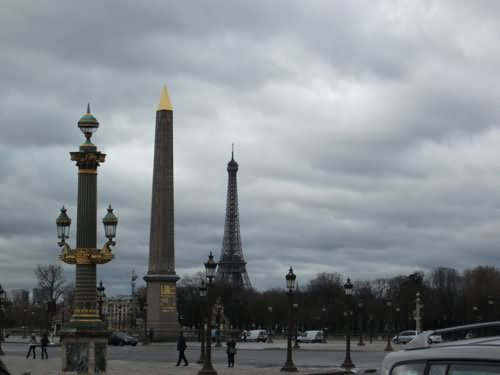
(19, 365)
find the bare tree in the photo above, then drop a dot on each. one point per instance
(51, 281)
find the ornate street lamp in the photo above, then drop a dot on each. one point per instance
(388, 305)
(290, 284)
(398, 319)
(361, 306)
(270, 334)
(86, 330)
(100, 298)
(347, 364)
(210, 267)
(204, 325)
(3, 299)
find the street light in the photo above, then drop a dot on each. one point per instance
(475, 308)
(290, 284)
(25, 310)
(347, 364)
(296, 322)
(210, 267)
(360, 322)
(3, 298)
(203, 326)
(145, 317)
(100, 298)
(270, 334)
(86, 327)
(388, 305)
(323, 320)
(491, 303)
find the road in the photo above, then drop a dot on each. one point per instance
(260, 357)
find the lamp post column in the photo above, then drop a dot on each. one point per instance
(203, 324)
(388, 304)
(3, 297)
(289, 366)
(296, 325)
(418, 318)
(210, 267)
(360, 322)
(270, 334)
(347, 364)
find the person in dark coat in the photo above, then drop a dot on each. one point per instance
(44, 341)
(231, 351)
(181, 347)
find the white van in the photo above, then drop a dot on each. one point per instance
(257, 335)
(311, 336)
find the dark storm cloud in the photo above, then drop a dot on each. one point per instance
(367, 133)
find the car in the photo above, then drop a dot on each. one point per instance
(404, 337)
(258, 335)
(311, 336)
(121, 338)
(464, 356)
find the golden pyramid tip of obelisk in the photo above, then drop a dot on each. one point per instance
(164, 100)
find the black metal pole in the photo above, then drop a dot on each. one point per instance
(208, 368)
(289, 365)
(360, 324)
(388, 347)
(347, 364)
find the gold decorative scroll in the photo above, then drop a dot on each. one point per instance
(85, 256)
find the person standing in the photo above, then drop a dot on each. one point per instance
(231, 351)
(181, 347)
(32, 346)
(44, 341)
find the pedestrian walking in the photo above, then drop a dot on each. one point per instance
(181, 347)
(244, 335)
(32, 346)
(231, 351)
(44, 341)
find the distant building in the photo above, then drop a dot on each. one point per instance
(120, 313)
(20, 296)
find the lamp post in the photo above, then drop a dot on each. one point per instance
(475, 309)
(388, 305)
(210, 267)
(100, 298)
(218, 324)
(361, 306)
(25, 310)
(203, 326)
(145, 317)
(270, 334)
(32, 321)
(397, 320)
(418, 317)
(323, 320)
(3, 298)
(347, 364)
(296, 324)
(290, 284)
(491, 305)
(86, 331)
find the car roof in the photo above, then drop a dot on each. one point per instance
(421, 348)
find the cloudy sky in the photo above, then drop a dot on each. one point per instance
(367, 132)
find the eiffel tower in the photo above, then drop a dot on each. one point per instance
(232, 266)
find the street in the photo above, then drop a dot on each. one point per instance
(249, 355)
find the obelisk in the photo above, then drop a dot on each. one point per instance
(161, 277)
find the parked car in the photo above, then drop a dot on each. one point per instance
(122, 338)
(464, 356)
(404, 337)
(435, 338)
(258, 335)
(311, 336)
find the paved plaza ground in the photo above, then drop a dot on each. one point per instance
(252, 358)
